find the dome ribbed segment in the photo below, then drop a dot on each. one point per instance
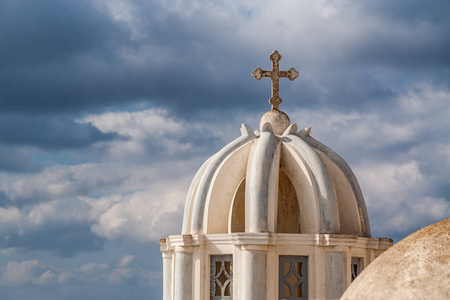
(268, 182)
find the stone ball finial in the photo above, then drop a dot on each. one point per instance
(278, 119)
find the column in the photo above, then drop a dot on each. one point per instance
(336, 275)
(253, 271)
(167, 275)
(183, 275)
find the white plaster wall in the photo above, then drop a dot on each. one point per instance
(256, 257)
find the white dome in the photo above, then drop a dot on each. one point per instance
(277, 183)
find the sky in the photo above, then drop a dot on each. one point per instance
(109, 107)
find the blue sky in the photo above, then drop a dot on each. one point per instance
(108, 107)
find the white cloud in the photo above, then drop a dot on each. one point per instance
(152, 133)
(17, 273)
(126, 260)
(47, 277)
(418, 115)
(137, 201)
(35, 272)
(93, 267)
(125, 13)
(146, 215)
(399, 152)
(121, 275)
(143, 216)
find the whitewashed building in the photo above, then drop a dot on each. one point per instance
(273, 215)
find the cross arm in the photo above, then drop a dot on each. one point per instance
(291, 74)
(259, 73)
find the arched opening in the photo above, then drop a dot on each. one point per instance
(238, 213)
(288, 215)
(349, 215)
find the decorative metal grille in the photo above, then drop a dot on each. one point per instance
(221, 277)
(356, 267)
(293, 277)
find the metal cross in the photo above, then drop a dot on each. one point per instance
(275, 74)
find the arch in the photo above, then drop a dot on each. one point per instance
(288, 210)
(186, 228)
(329, 217)
(223, 187)
(349, 175)
(305, 187)
(237, 213)
(199, 203)
(347, 207)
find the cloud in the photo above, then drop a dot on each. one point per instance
(399, 153)
(34, 272)
(17, 159)
(58, 211)
(130, 52)
(68, 209)
(145, 216)
(126, 260)
(40, 33)
(157, 134)
(46, 231)
(412, 120)
(17, 273)
(143, 179)
(60, 182)
(48, 132)
(109, 107)
(398, 198)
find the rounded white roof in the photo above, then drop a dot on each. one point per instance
(417, 267)
(275, 181)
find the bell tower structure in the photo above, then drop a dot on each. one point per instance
(275, 214)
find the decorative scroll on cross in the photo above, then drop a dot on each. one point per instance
(275, 74)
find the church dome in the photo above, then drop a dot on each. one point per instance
(417, 267)
(276, 180)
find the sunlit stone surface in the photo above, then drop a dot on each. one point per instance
(417, 267)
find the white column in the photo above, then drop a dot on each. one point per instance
(183, 276)
(253, 271)
(167, 275)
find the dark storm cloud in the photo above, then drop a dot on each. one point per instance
(37, 32)
(69, 56)
(62, 56)
(38, 42)
(409, 12)
(47, 132)
(342, 88)
(16, 159)
(64, 239)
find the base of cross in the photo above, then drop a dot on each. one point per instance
(275, 101)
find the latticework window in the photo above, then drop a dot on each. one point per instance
(221, 277)
(293, 277)
(356, 267)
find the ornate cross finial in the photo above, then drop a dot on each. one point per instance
(275, 74)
